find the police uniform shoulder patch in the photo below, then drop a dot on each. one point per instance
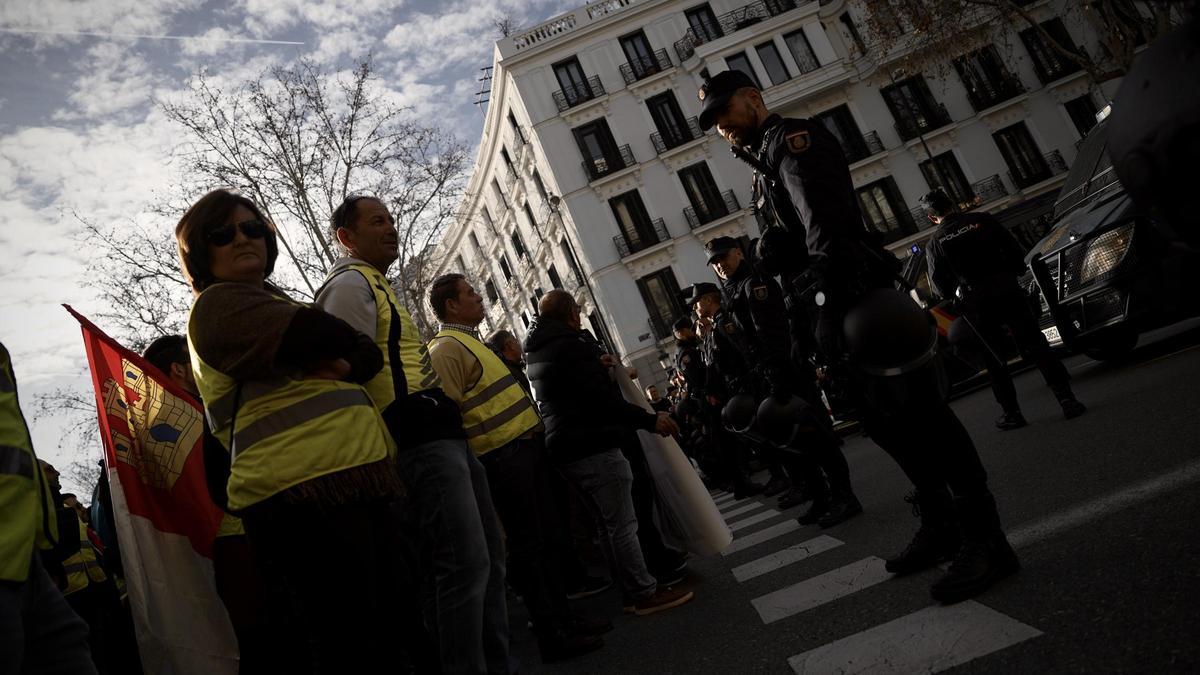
(730, 328)
(797, 141)
(760, 292)
(686, 360)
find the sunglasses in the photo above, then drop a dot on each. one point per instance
(223, 235)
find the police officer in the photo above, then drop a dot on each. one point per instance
(755, 303)
(866, 329)
(974, 258)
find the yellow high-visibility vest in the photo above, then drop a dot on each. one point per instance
(396, 336)
(287, 431)
(83, 568)
(28, 518)
(495, 410)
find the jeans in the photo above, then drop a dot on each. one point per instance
(606, 481)
(39, 633)
(464, 554)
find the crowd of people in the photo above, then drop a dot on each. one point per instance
(383, 493)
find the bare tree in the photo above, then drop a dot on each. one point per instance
(505, 25)
(928, 34)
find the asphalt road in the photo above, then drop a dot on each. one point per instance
(1103, 511)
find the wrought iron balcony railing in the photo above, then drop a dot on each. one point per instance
(988, 93)
(571, 96)
(628, 245)
(989, 189)
(676, 136)
(715, 207)
(1052, 164)
(641, 68)
(599, 167)
(933, 117)
(862, 146)
(729, 22)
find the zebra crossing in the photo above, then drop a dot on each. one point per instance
(931, 639)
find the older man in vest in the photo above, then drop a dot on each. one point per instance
(504, 430)
(448, 490)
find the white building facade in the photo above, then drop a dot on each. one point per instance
(592, 174)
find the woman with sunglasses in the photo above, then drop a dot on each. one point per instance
(312, 472)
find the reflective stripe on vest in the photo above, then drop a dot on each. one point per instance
(496, 410)
(26, 506)
(283, 432)
(82, 568)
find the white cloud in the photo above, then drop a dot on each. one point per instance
(265, 17)
(141, 17)
(116, 79)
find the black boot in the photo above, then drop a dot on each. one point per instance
(794, 497)
(1011, 419)
(819, 493)
(1071, 406)
(842, 507)
(985, 556)
(937, 540)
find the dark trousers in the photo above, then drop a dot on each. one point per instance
(241, 593)
(989, 316)
(39, 632)
(522, 493)
(335, 599)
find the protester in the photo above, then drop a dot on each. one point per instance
(449, 501)
(39, 632)
(657, 402)
(311, 470)
(585, 419)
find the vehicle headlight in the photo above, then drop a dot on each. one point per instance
(1105, 252)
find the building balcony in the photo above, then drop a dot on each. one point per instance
(1056, 67)
(988, 190)
(899, 226)
(717, 208)
(640, 69)
(1052, 165)
(729, 22)
(569, 97)
(599, 167)
(994, 92)
(862, 146)
(934, 117)
(627, 246)
(685, 133)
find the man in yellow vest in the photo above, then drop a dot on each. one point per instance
(448, 491)
(505, 432)
(39, 633)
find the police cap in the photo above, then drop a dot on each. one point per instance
(720, 246)
(700, 290)
(716, 92)
(683, 323)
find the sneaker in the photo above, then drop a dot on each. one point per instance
(929, 546)
(794, 497)
(975, 569)
(1072, 408)
(664, 598)
(1010, 420)
(840, 510)
(776, 485)
(814, 512)
(588, 587)
(562, 646)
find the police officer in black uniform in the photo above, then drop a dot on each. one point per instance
(866, 331)
(973, 258)
(755, 303)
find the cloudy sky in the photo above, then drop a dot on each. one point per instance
(79, 132)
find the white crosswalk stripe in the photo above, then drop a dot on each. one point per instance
(755, 538)
(928, 641)
(789, 555)
(725, 498)
(739, 510)
(753, 520)
(820, 589)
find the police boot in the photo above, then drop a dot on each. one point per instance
(843, 504)
(1071, 406)
(937, 540)
(820, 503)
(985, 556)
(1011, 419)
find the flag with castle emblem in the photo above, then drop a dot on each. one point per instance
(153, 434)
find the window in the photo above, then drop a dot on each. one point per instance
(1048, 63)
(841, 124)
(529, 216)
(462, 267)
(512, 122)
(945, 173)
(601, 156)
(986, 78)
(474, 242)
(914, 108)
(741, 62)
(490, 289)
(518, 245)
(533, 302)
(852, 31)
(633, 221)
(571, 261)
(639, 54)
(572, 80)
(525, 318)
(703, 194)
(507, 159)
(541, 187)
(768, 53)
(486, 216)
(884, 209)
(1026, 165)
(1082, 111)
(673, 129)
(555, 280)
(499, 193)
(797, 43)
(600, 331)
(504, 267)
(704, 23)
(660, 292)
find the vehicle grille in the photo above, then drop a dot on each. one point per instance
(1103, 308)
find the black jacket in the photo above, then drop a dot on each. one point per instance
(582, 408)
(973, 250)
(690, 363)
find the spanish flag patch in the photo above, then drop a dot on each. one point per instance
(797, 141)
